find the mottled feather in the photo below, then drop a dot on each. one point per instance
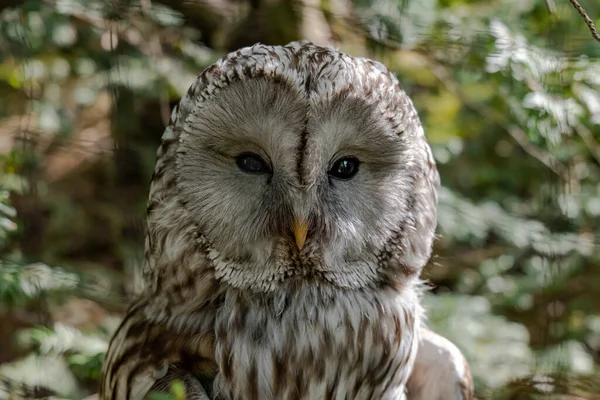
(227, 292)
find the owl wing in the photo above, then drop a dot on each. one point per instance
(441, 371)
(129, 371)
(143, 356)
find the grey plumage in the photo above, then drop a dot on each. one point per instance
(228, 292)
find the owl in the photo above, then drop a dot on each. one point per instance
(292, 209)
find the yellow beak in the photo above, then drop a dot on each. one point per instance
(300, 231)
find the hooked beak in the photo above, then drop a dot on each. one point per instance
(300, 230)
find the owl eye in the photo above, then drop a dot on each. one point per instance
(345, 168)
(252, 163)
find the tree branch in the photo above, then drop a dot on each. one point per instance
(587, 19)
(588, 140)
(514, 131)
(489, 114)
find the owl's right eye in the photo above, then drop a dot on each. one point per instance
(252, 163)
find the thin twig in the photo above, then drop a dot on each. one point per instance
(521, 138)
(587, 19)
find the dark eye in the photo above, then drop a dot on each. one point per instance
(345, 168)
(252, 163)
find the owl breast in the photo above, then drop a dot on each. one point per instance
(316, 345)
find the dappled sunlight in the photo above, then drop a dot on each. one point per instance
(509, 97)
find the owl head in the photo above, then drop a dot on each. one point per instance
(297, 164)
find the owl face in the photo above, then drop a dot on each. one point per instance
(303, 164)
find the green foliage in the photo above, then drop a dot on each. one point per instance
(177, 392)
(9, 181)
(512, 110)
(83, 353)
(7, 214)
(20, 283)
(508, 93)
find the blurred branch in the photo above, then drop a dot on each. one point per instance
(580, 129)
(592, 351)
(589, 141)
(128, 33)
(155, 48)
(205, 15)
(521, 138)
(314, 26)
(587, 19)
(489, 114)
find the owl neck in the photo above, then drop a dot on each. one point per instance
(311, 341)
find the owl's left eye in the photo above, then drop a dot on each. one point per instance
(252, 163)
(345, 168)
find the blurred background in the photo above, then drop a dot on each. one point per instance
(508, 92)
